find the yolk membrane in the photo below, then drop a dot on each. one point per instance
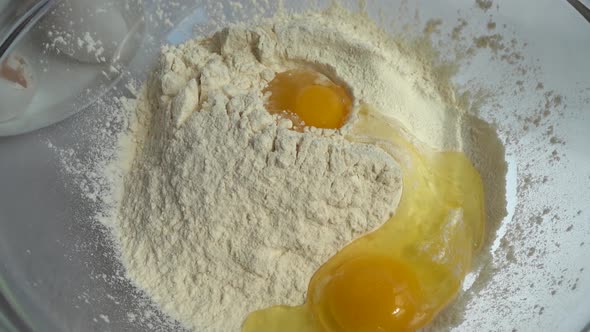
(308, 98)
(399, 277)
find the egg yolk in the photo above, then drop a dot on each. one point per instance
(400, 276)
(308, 98)
(373, 293)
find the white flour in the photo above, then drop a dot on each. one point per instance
(225, 209)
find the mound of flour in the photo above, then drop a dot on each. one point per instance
(226, 210)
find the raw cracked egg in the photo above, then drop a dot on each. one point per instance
(308, 98)
(399, 277)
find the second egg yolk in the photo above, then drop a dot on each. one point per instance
(309, 99)
(368, 294)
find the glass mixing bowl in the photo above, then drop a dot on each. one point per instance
(67, 41)
(57, 271)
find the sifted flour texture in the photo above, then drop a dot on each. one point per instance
(226, 209)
